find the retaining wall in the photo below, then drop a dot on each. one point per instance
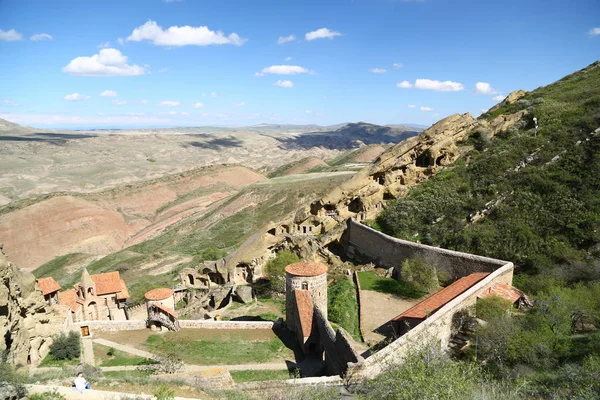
(210, 324)
(359, 300)
(437, 329)
(111, 326)
(368, 245)
(337, 346)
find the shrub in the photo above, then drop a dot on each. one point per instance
(492, 307)
(11, 383)
(276, 269)
(164, 393)
(420, 273)
(49, 395)
(66, 346)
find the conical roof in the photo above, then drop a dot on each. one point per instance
(86, 279)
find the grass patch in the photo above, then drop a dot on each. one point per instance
(369, 280)
(227, 349)
(343, 306)
(108, 357)
(50, 361)
(126, 375)
(259, 375)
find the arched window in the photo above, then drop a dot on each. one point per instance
(304, 285)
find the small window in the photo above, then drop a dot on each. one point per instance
(85, 331)
(304, 285)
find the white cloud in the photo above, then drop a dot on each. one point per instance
(135, 113)
(103, 45)
(238, 103)
(322, 33)
(108, 93)
(119, 102)
(108, 62)
(10, 36)
(498, 98)
(288, 59)
(198, 105)
(182, 36)
(424, 108)
(428, 84)
(76, 97)
(284, 84)
(10, 103)
(259, 74)
(594, 31)
(169, 103)
(40, 36)
(211, 94)
(412, 106)
(378, 70)
(185, 113)
(397, 65)
(308, 112)
(446, 86)
(286, 39)
(145, 101)
(284, 70)
(484, 88)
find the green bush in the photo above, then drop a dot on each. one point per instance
(164, 393)
(50, 395)
(11, 383)
(66, 346)
(492, 307)
(420, 273)
(275, 269)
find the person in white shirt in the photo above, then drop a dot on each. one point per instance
(80, 384)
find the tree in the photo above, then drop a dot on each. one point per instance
(276, 269)
(66, 346)
(420, 273)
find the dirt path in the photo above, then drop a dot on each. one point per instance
(378, 309)
(126, 349)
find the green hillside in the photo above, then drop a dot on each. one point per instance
(541, 196)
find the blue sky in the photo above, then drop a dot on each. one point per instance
(125, 63)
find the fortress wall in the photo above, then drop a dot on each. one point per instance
(337, 346)
(111, 326)
(210, 324)
(368, 245)
(437, 329)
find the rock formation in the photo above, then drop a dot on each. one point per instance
(25, 330)
(313, 229)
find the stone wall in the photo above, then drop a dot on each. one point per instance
(110, 326)
(360, 306)
(437, 329)
(337, 346)
(210, 324)
(368, 245)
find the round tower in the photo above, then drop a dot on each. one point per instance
(309, 276)
(163, 296)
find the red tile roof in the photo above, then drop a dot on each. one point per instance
(124, 293)
(502, 290)
(166, 309)
(107, 283)
(306, 269)
(305, 310)
(441, 298)
(48, 285)
(158, 294)
(70, 298)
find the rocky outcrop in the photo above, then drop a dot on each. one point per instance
(314, 231)
(25, 323)
(511, 98)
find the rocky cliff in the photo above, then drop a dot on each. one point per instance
(311, 230)
(25, 330)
